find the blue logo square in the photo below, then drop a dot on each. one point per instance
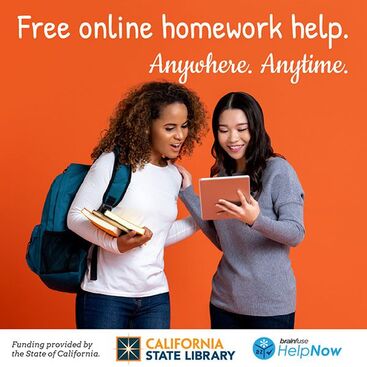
(128, 348)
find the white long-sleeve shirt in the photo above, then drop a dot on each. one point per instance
(151, 201)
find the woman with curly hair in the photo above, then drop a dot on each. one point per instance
(153, 126)
(254, 285)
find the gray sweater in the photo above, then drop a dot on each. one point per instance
(254, 276)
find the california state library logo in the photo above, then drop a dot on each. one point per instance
(263, 348)
(128, 348)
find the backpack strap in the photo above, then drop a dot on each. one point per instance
(93, 264)
(119, 182)
(120, 178)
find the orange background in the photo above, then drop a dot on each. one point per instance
(57, 96)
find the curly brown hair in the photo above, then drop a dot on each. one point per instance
(129, 129)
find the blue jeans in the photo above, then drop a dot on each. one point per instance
(221, 319)
(99, 311)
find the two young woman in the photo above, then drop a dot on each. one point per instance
(254, 285)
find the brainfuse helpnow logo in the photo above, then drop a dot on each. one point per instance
(264, 348)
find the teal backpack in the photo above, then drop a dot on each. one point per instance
(56, 254)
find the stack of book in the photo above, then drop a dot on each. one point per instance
(111, 223)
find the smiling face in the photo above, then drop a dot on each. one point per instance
(233, 133)
(169, 132)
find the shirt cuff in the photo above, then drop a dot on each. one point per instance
(260, 223)
(189, 191)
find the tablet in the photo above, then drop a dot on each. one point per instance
(215, 188)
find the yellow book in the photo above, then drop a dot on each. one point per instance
(109, 228)
(110, 221)
(123, 222)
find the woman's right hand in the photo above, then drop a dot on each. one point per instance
(131, 240)
(186, 177)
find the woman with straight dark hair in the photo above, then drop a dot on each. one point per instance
(254, 285)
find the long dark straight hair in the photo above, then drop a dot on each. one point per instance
(259, 148)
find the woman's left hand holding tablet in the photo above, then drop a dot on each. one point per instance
(247, 212)
(131, 240)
